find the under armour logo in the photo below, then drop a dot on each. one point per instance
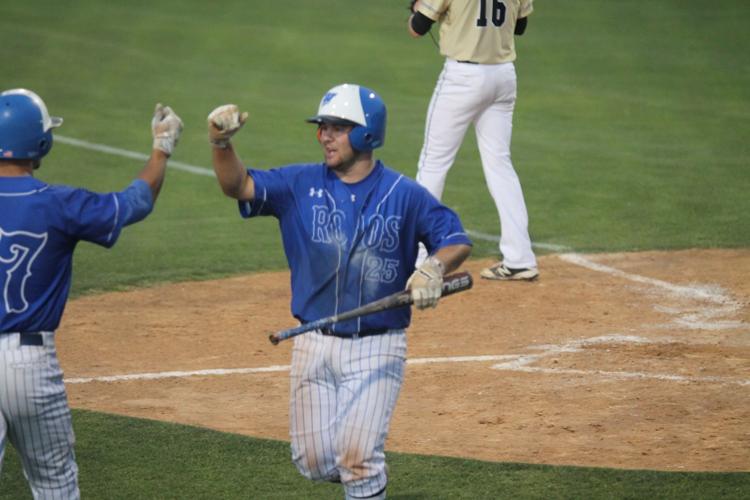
(315, 192)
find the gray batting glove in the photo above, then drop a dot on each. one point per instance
(166, 128)
(223, 123)
(426, 283)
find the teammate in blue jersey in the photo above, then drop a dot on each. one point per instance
(40, 225)
(351, 229)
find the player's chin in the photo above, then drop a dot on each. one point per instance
(333, 161)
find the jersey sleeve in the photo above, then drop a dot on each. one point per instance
(272, 194)
(137, 201)
(527, 7)
(433, 9)
(94, 217)
(438, 225)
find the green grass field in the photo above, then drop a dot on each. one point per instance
(145, 459)
(631, 133)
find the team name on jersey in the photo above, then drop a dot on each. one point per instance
(381, 231)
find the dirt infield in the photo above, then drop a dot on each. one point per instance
(621, 360)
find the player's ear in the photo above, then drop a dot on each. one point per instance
(318, 134)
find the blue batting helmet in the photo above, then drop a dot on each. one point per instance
(25, 126)
(350, 104)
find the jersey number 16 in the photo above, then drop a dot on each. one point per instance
(498, 13)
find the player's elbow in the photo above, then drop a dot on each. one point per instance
(231, 190)
(464, 251)
(240, 188)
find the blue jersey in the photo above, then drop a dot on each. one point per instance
(40, 226)
(350, 244)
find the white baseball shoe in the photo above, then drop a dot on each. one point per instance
(502, 273)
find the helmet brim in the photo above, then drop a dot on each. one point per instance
(55, 121)
(333, 120)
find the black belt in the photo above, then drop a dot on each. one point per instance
(468, 62)
(28, 338)
(363, 333)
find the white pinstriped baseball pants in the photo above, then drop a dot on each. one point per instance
(343, 393)
(483, 95)
(35, 417)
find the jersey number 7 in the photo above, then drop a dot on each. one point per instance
(18, 250)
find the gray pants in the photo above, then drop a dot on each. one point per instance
(35, 417)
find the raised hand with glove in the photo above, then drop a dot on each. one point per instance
(166, 128)
(426, 283)
(223, 123)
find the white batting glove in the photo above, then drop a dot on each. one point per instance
(223, 123)
(426, 283)
(166, 128)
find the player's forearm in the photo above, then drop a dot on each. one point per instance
(166, 128)
(153, 172)
(453, 256)
(231, 174)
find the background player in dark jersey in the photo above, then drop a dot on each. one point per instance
(40, 225)
(350, 228)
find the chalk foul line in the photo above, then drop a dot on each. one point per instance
(509, 362)
(523, 363)
(103, 148)
(705, 307)
(267, 369)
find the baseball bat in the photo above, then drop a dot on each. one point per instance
(453, 283)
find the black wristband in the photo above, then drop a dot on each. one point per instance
(420, 23)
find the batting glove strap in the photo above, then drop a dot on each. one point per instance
(166, 128)
(219, 143)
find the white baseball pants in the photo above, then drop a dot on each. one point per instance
(35, 417)
(483, 95)
(343, 393)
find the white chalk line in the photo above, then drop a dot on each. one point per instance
(512, 362)
(266, 369)
(521, 363)
(632, 375)
(102, 148)
(695, 292)
(496, 239)
(696, 317)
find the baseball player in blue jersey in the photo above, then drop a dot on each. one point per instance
(350, 227)
(40, 225)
